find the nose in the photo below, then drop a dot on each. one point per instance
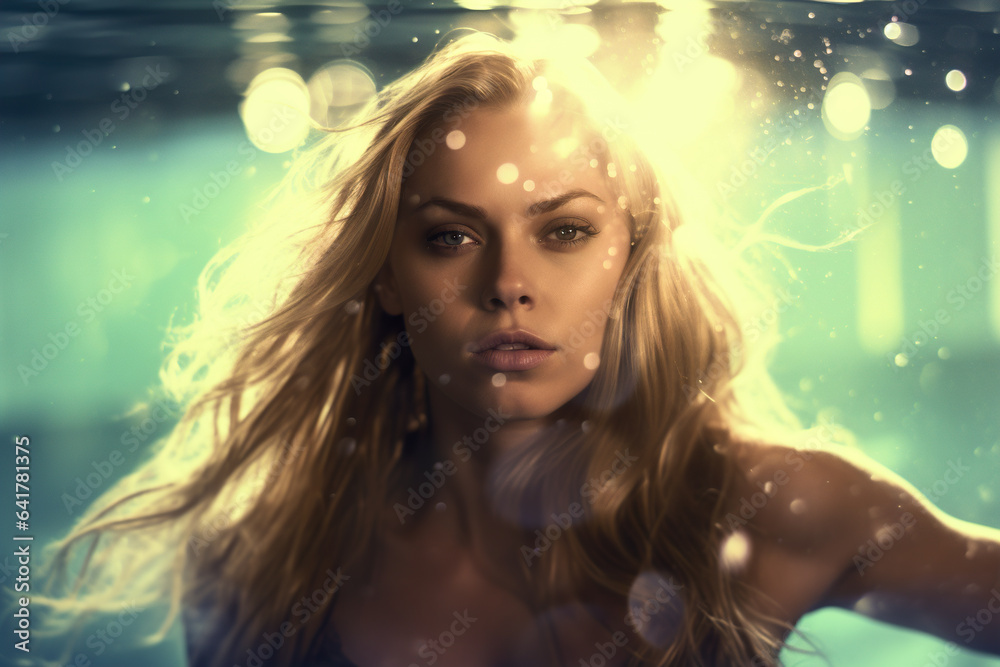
(508, 281)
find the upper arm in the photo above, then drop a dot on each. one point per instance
(845, 531)
(918, 567)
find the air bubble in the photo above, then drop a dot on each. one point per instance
(507, 173)
(735, 552)
(455, 139)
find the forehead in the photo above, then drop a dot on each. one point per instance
(515, 152)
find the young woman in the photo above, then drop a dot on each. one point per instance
(500, 412)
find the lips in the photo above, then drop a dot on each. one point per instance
(512, 350)
(511, 339)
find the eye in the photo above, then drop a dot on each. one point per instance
(572, 234)
(449, 240)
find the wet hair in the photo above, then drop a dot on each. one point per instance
(281, 466)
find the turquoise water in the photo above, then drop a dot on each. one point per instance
(894, 336)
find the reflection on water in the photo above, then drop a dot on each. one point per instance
(136, 138)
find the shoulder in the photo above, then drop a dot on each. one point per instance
(804, 510)
(832, 527)
(803, 493)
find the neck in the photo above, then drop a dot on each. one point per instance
(474, 444)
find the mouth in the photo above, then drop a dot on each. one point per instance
(505, 351)
(511, 340)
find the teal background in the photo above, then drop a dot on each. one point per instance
(61, 242)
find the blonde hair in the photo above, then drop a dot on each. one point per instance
(270, 404)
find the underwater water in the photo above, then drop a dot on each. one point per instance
(136, 138)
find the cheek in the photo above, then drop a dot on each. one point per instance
(595, 295)
(431, 315)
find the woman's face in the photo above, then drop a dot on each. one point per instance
(507, 224)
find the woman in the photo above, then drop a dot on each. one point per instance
(500, 412)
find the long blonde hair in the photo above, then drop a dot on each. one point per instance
(279, 470)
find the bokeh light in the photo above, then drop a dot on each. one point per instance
(955, 80)
(881, 89)
(657, 605)
(455, 139)
(949, 146)
(338, 90)
(275, 110)
(846, 106)
(342, 12)
(903, 34)
(734, 552)
(507, 173)
(544, 35)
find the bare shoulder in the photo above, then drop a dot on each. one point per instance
(807, 493)
(804, 507)
(829, 526)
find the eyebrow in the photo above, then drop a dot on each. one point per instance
(538, 208)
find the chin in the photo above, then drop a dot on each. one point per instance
(513, 405)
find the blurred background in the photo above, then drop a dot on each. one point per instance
(137, 138)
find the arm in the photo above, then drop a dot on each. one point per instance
(913, 565)
(862, 538)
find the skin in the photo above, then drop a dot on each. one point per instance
(513, 268)
(864, 539)
(800, 555)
